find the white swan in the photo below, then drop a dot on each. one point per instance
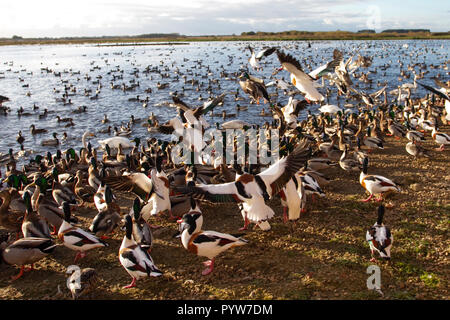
(235, 124)
(115, 141)
(330, 108)
(85, 135)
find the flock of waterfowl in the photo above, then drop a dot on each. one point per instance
(44, 193)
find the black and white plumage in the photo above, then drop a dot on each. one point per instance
(253, 190)
(204, 243)
(380, 237)
(255, 58)
(301, 80)
(136, 261)
(327, 68)
(76, 238)
(254, 87)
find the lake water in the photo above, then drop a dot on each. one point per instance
(21, 72)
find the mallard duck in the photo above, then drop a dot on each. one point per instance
(61, 193)
(108, 218)
(349, 164)
(380, 238)
(440, 138)
(76, 238)
(205, 243)
(51, 142)
(33, 226)
(81, 282)
(396, 130)
(136, 261)
(34, 131)
(11, 217)
(417, 151)
(84, 192)
(142, 233)
(372, 142)
(375, 184)
(26, 251)
(254, 87)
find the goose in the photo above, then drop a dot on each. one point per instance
(136, 261)
(375, 184)
(76, 238)
(26, 251)
(205, 243)
(253, 190)
(256, 57)
(299, 78)
(380, 237)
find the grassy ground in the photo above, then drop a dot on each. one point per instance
(323, 256)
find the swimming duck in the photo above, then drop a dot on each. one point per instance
(136, 261)
(380, 238)
(34, 131)
(76, 238)
(26, 251)
(205, 243)
(51, 142)
(376, 184)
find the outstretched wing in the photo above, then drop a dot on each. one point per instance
(277, 175)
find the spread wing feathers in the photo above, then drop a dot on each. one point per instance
(214, 193)
(378, 93)
(293, 66)
(277, 175)
(329, 67)
(250, 48)
(180, 104)
(265, 52)
(208, 106)
(298, 106)
(137, 182)
(166, 129)
(439, 83)
(439, 93)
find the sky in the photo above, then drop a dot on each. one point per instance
(76, 18)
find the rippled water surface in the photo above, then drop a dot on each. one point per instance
(87, 66)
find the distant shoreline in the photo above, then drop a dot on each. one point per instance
(260, 36)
